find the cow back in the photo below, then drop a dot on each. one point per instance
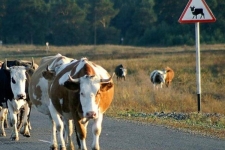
(118, 71)
(169, 76)
(38, 88)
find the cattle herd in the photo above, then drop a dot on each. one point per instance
(69, 91)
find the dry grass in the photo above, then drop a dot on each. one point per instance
(136, 93)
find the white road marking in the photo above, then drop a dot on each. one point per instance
(45, 141)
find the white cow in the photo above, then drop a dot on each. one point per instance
(19, 77)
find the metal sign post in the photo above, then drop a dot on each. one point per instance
(198, 69)
(197, 11)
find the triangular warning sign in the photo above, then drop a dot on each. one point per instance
(197, 11)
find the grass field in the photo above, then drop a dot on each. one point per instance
(136, 94)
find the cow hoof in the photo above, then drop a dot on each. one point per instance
(26, 134)
(3, 134)
(53, 147)
(62, 148)
(15, 138)
(70, 147)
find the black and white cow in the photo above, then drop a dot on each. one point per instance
(14, 81)
(120, 72)
(159, 77)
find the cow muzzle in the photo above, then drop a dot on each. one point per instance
(21, 96)
(89, 115)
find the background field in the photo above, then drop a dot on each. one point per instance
(136, 94)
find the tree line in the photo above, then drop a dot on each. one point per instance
(129, 22)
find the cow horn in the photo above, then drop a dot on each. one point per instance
(74, 80)
(47, 69)
(32, 62)
(6, 67)
(107, 80)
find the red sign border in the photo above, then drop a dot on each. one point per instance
(197, 20)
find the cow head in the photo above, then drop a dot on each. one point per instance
(55, 67)
(89, 88)
(49, 74)
(124, 72)
(18, 78)
(192, 8)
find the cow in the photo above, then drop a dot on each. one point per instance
(82, 91)
(38, 89)
(120, 72)
(162, 76)
(14, 79)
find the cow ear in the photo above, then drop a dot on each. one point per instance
(30, 71)
(106, 86)
(72, 85)
(48, 75)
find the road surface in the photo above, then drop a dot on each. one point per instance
(116, 135)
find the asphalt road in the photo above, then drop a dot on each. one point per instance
(116, 135)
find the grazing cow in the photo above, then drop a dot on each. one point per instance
(82, 91)
(14, 82)
(38, 89)
(120, 72)
(196, 12)
(162, 76)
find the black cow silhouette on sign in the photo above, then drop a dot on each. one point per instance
(197, 11)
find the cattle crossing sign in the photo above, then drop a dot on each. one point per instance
(197, 11)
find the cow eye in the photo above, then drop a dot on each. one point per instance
(13, 81)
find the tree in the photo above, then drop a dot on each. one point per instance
(100, 13)
(68, 23)
(143, 18)
(23, 20)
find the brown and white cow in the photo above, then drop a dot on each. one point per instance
(159, 77)
(82, 91)
(169, 76)
(38, 89)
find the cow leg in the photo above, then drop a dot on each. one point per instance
(153, 86)
(13, 118)
(25, 130)
(161, 85)
(96, 131)
(20, 118)
(2, 120)
(59, 125)
(82, 131)
(28, 119)
(6, 124)
(54, 140)
(69, 132)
